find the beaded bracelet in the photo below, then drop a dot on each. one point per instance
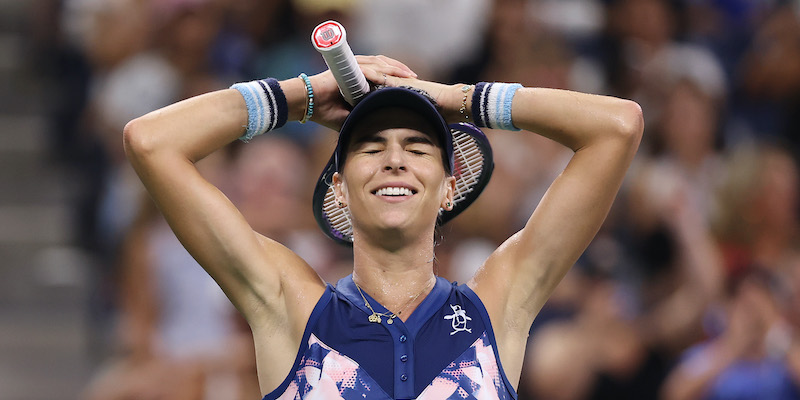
(267, 108)
(309, 99)
(491, 105)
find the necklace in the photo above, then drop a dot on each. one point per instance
(375, 317)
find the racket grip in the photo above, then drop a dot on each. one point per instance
(330, 39)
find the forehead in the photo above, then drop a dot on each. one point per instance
(388, 119)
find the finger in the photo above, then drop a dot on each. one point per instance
(375, 76)
(386, 65)
(385, 75)
(379, 78)
(398, 64)
(369, 60)
(396, 71)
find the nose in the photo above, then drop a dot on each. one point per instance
(395, 159)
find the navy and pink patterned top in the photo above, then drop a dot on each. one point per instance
(445, 350)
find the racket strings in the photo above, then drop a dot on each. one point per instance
(338, 217)
(469, 164)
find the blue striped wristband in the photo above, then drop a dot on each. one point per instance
(267, 108)
(491, 105)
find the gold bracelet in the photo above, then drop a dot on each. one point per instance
(463, 110)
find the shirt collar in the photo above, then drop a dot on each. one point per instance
(432, 302)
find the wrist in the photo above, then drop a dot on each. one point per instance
(464, 103)
(491, 105)
(295, 91)
(450, 102)
(266, 106)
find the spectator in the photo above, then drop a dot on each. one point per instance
(179, 336)
(757, 221)
(754, 357)
(624, 333)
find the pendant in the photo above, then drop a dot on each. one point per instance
(390, 321)
(375, 318)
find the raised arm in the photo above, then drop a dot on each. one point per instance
(604, 133)
(163, 146)
(255, 272)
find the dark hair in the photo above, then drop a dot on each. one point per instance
(418, 91)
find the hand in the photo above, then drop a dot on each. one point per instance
(449, 98)
(749, 320)
(330, 109)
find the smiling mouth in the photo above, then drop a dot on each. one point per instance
(394, 191)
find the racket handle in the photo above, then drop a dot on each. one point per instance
(330, 39)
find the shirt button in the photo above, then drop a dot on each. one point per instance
(404, 377)
(402, 338)
(404, 358)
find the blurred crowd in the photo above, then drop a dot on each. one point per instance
(691, 290)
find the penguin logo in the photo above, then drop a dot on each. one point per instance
(458, 319)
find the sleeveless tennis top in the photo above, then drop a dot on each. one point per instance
(445, 350)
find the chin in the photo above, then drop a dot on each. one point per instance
(394, 223)
(397, 224)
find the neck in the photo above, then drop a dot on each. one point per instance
(394, 277)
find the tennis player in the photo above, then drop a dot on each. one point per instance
(392, 329)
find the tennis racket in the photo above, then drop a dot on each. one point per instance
(330, 40)
(472, 152)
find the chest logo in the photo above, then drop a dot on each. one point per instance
(458, 319)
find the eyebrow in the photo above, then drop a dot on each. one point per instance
(377, 138)
(424, 139)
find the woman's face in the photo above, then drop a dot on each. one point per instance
(393, 179)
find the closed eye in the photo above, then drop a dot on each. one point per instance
(420, 148)
(419, 145)
(370, 148)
